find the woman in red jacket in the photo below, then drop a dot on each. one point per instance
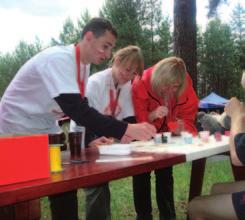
(163, 96)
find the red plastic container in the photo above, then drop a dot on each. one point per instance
(23, 158)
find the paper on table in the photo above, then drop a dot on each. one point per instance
(115, 149)
(120, 159)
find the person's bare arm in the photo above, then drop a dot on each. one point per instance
(236, 110)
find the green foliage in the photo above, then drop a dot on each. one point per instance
(25, 51)
(156, 32)
(221, 56)
(140, 23)
(71, 32)
(10, 63)
(220, 49)
(238, 30)
(7, 71)
(124, 16)
(213, 5)
(163, 41)
(201, 79)
(85, 17)
(217, 60)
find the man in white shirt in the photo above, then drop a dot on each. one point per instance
(51, 85)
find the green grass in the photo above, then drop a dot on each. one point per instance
(122, 206)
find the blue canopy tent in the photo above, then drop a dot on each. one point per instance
(212, 101)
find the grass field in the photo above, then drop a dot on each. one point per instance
(121, 191)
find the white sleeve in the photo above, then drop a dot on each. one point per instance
(93, 94)
(127, 103)
(59, 75)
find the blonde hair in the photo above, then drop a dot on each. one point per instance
(169, 71)
(132, 55)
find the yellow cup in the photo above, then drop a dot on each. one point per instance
(55, 158)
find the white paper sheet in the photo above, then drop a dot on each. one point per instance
(115, 149)
(117, 159)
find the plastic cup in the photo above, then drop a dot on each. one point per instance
(227, 133)
(158, 139)
(168, 135)
(56, 140)
(188, 138)
(55, 158)
(204, 135)
(218, 136)
(75, 140)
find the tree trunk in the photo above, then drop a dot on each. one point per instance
(185, 35)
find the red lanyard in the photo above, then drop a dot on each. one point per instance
(114, 101)
(81, 83)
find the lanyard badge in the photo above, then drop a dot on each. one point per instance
(80, 82)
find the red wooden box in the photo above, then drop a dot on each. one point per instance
(23, 158)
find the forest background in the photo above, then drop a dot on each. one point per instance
(219, 49)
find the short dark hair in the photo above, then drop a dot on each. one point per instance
(99, 26)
